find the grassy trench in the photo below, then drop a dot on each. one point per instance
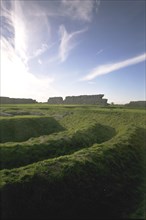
(22, 128)
(97, 182)
(21, 154)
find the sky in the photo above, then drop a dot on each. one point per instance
(65, 48)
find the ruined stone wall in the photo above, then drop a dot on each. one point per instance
(55, 100)
(82, 99)
(7, 100)
(136, 104)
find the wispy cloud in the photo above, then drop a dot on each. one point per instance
(17, 81)
(99, 52)
(28, 23)
(67, 42)
(80, 10)
(24, 29)
(41, 50)
(21, 39)
(108, 68)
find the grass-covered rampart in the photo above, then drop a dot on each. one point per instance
(81, 185)
(97, 179)
(23, 128)
(56, 145)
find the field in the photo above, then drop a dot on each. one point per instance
(72, 161)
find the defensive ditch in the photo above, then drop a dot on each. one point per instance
(21, 154)
(22, 128)
(96, 182)
(100, 181)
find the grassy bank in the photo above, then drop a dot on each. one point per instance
(53, 146)
(22, 128)
(92, 169)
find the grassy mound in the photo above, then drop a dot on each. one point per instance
(96, 182)
(23, 128)
(94, 167)
(56, 145)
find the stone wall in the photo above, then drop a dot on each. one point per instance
(55, 100)
(82, 99)
(7, 100)
(136, 104)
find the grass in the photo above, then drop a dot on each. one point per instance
(22, 128)
(55, 145)
(93, 167)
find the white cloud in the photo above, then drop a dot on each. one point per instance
(17, 81)
(66, 42)
(79, 9)
(41, 50)
(108, 68)
(21, 32)
(25, 30)
(22, 39)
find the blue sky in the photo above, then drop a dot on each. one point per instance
(73, 47)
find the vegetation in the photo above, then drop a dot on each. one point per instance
(73, 161)
(55, 145)
(23, 128)
(137, 104)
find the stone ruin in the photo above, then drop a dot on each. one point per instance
(7, 100)
(55, 100)
(136, 104)
(82, 99)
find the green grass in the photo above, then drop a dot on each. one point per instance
(91, 164)
(52, 146)
(22, 128)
